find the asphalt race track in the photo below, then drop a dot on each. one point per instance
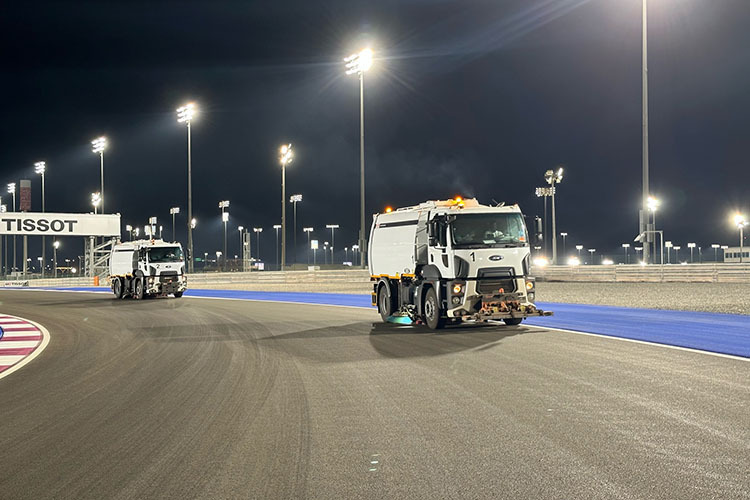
(202, 398)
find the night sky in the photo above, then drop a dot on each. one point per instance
(472, 98)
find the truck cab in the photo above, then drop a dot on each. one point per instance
(452, 260)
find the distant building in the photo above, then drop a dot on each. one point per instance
(732, 254)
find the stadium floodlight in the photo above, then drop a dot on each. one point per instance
(96, 199)
(185, 115)
(286, 156)
(333, 228)
(294, 199)
(98, 146)
(173, 212)
(554, 177)
(358, 64)
(741, 222)
(40, 168)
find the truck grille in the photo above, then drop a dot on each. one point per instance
(488, 286)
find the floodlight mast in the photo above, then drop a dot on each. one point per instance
(185, 115)
(285, 158)
(554, 177)
(357, 64)
(40, 168)
(98, 146)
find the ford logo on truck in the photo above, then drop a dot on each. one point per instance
(496, 257)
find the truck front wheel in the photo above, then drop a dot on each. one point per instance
(432, 314)
(385, 304)
(512, 321)
(138, 289)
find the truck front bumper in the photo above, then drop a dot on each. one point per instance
(164, 285)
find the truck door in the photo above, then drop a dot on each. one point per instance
(440, 251)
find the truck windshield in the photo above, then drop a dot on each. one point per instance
(488, 230)
(165, 254)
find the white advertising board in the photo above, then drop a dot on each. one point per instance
(51, 224)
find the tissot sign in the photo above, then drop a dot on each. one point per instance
(59, 224)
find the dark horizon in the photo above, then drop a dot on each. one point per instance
(476, 99)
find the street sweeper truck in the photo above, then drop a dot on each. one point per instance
(145, 268)
(452, 261)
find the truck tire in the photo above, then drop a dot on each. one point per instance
(117, 288)
(432, 314)
(385, 303)
(177, 295)
(138, 289)
(512, 321)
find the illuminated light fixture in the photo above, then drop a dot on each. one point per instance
(186, 113)
(11, 188)
(388, 210)
(540, 262)
(607, 262)
(40, 167)
(224, 204)
(98, 145)
(359, 62)
(653, 203)
(574, 261)
(295, 198)
(739, 220)
(286, 155)
(225, 216)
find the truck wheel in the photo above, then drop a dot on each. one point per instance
(177, 295)
(385, 304)
(432, 314)
(117, 288)
(512, 321)
(138, 289)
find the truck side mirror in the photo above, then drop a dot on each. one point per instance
(539, 229)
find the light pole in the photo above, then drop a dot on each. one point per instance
(591, 251)
(554, 177)
(174, 211)
(677, 253)
(257, 231)
(357, 64)
(129, 229)
(55, 246)
(653, 205)
(579, 248)
(626, 246)
(716, 247)
(96, 199)
(12, 191)
(724, 249)
(98, 146)
(332, 227)
(644, 98)
(355, 252)
(285, 158)
(277, 227)
(691, 246)
(185, 115)
(40, 167)
(739, 221)
(242, 249)
(564, 236)
(295, 198)
(308, 230)
(668, 245)
(224, 218)
(325, 252)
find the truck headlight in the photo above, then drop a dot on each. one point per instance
(458, 289)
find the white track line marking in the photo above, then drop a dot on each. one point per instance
(30, 357)
(17, 344)
(9, 360)
(30, 333)
(371, 308)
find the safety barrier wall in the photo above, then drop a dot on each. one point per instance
(690, 273)
(357, 280)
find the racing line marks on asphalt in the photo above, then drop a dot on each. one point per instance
(21, 341)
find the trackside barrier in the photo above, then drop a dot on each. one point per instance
(674, 273)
